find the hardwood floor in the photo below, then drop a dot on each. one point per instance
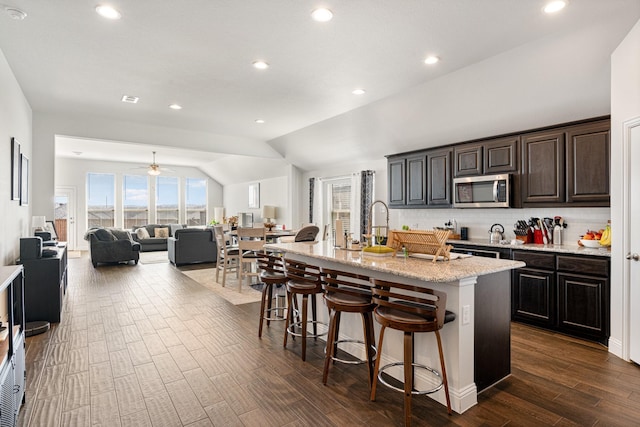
(146, 346)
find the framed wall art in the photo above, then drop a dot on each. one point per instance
(15, 169)
(24, 180)
(254, 195)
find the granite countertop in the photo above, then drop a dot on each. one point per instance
(413, 268)
(566, 249)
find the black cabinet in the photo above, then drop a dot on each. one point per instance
(468, 160)
(588, 163)
(566, 293)
(543, 167)
(45, 286)
(420, 179)
(397, 181)
(488, 157)
(533, 289)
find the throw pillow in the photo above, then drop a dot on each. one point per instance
(105, 235)
(142, 233)
(162, 232)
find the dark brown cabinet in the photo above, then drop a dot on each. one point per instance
(533, 289)
(416, 180)
(543, 167)
(566, 293)
(439, 177)
(588, 163)
(490, 157)
(397, 181)
(420, 179)
(583, 304)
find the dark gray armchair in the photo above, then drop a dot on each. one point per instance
(191, 246)
(110, 245)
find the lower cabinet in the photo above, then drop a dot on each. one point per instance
(567, 293)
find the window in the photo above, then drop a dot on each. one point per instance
(167, 211)
(100, 196)
(196, 201)
(339, 203)
(135, 193)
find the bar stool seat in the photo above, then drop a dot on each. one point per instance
(348, 293)
(410, 309)
(272, 275)
(305, 281)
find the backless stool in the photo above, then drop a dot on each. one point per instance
(410, 309)
(272, 274)
(348, 293)
(304, 280)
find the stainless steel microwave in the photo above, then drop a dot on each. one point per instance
(487, 191)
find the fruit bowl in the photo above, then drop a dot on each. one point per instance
(590, 243)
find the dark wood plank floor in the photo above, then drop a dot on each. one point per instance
(146, 345)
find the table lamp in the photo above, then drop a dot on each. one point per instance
(268, 215)
(38, 223)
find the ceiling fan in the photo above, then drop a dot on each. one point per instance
(154, 168)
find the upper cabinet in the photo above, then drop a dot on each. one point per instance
(563, 165)
(420, 179)
(567, 166)
(588, 163)
(490, 157)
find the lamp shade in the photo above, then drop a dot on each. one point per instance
(38, 221)
(268, 212)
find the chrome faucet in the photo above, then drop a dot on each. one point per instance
(369, 234)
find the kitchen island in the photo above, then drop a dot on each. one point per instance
(476, 344)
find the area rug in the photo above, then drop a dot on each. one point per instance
(207, 278)
(155, 257)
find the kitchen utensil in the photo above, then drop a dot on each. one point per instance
(496, 233)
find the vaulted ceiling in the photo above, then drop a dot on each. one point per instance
(199, 54)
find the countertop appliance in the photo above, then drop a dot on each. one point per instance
(486, 191)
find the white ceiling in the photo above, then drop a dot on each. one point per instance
(198, 53)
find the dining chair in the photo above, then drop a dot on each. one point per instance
(228, 256)
(251, 242)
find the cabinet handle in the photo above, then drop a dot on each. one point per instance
(634, 257)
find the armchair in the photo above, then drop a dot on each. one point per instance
(191, 246)
(110, 245)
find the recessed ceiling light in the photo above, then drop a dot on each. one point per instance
(555, 6)
(260, 121)
(322, 15)
(130, 99)
(430, 60)
(175, 106)
(15, 13)
(107, 11)
(358, 91)
(260, 65)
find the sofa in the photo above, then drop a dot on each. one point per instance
(111, 245)
(152, 239)
(192, 246)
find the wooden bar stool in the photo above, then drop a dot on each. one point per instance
(348, 293)
(304, 280)
(272, 274)
(410, 309)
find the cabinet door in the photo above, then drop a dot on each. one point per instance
(588, 163)
(397, 195)
(467, 159)
(439, 177)
(501, 155)
(416, 180)
(534, 297)
(543, 171)
(584, 304)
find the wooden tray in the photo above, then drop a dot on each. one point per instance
(430, 242)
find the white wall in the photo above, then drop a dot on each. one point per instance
(15, 121)
(273, 192)
(625, 105)
(73, 173)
